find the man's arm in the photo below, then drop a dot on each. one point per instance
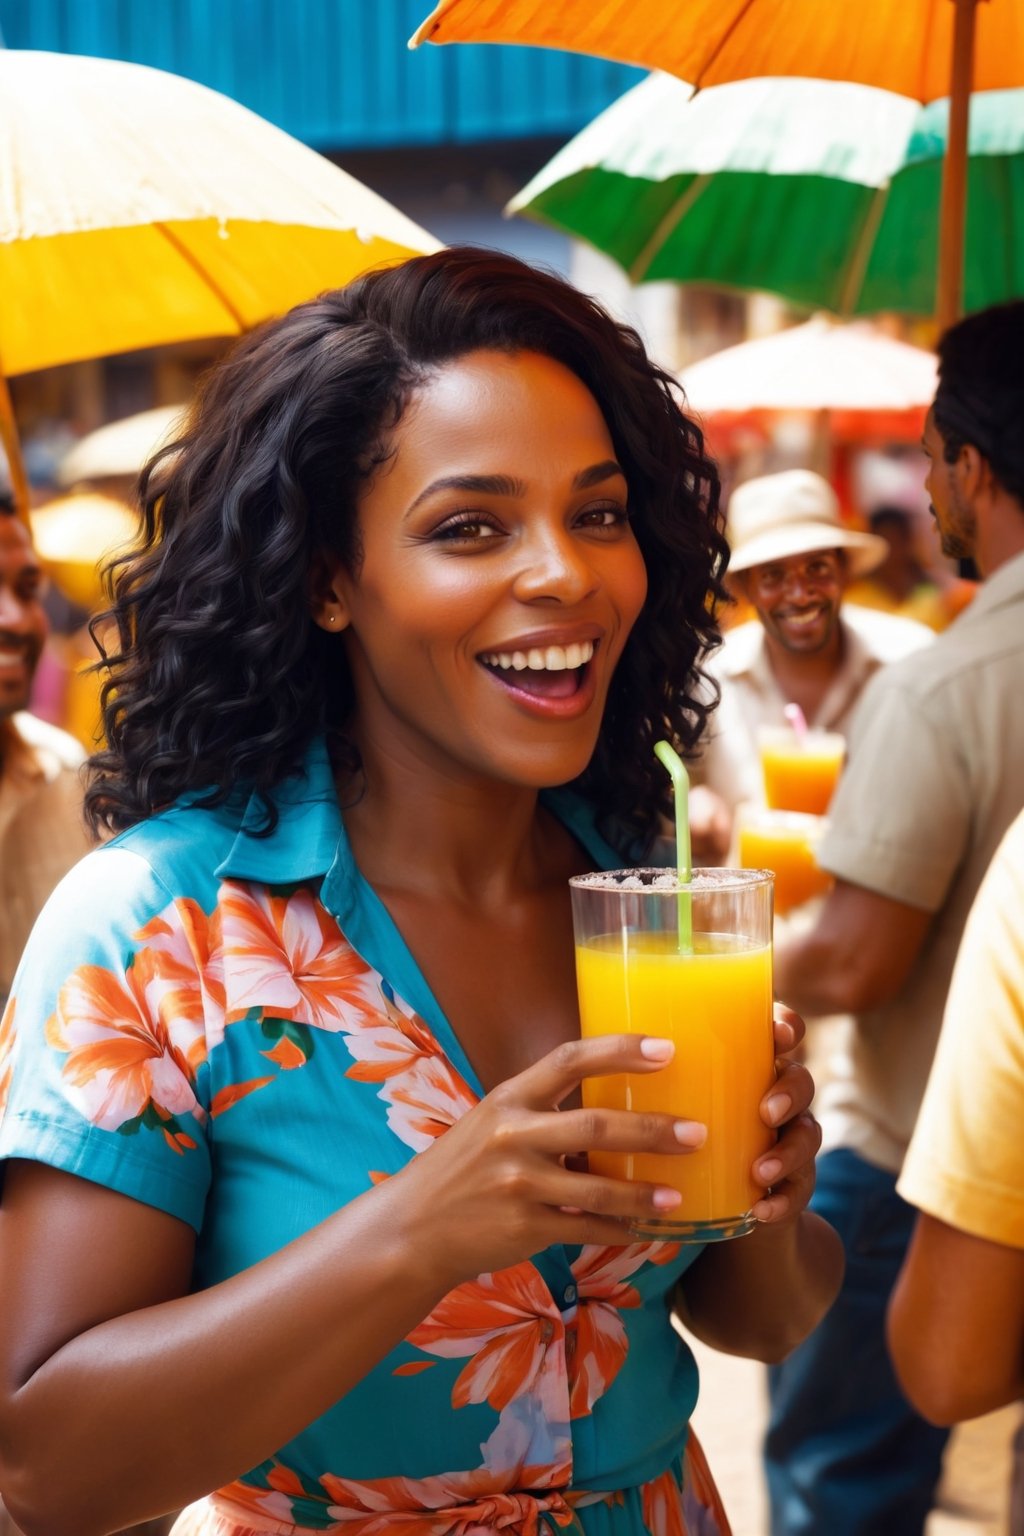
(956, 1323)
(858, 954)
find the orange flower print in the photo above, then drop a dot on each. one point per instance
(424, 1092)
(455, 1504)
(285, 956)
(123, 1059)
(692, 1509)
(662, 1502)
(506, 1322)
(190, 964)
(7, 1039)
(601, 1340)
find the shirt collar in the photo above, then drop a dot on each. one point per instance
(310, 836)
(304, 842)
(1006, 585)
(17, 759)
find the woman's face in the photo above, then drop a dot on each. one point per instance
(499, 578)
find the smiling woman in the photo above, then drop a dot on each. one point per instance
(289, 1073)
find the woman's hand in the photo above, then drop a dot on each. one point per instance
(787, 1171)
(499, 1185)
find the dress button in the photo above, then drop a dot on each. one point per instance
(570, 1295)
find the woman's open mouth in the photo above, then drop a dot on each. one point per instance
(548, 672)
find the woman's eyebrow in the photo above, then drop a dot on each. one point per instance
(483, 485)
(596, 474)
(507, 485)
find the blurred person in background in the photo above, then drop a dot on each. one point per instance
(792, 559)
(956, 1319)
(935, 776)
(903, 583)
(42, 832)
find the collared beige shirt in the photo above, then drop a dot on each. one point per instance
(751, 698)
(935, 776)
(41, 828)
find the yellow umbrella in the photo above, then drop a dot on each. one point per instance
(921, 48)
(138, 208)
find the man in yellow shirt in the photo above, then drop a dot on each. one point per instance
(956, 1319)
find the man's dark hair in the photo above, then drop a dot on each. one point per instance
(980, 397)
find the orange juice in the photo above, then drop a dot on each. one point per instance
(800, 774)
(784, 842)
(716, 1005)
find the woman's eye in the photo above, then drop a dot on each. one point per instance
(469, 530)
(608, 515)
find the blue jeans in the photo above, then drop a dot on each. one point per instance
(845, 1454)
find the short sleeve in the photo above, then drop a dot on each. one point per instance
(103, 1041)
(899, 823)
(964, 1161)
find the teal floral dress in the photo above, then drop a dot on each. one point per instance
(231, 1029)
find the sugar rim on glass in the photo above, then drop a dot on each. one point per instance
(666, 881)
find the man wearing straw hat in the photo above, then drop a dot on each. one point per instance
(791, 557)
(935, 776)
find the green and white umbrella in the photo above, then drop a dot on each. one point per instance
(822, 192)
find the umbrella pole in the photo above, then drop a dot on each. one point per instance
(12, 448)
(952, 216)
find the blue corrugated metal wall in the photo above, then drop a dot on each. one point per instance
(335, 73)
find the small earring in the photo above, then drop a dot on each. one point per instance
(333, 619)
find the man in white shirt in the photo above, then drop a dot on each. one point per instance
(792, 558)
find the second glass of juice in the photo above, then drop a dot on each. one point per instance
(691, 963)
(800, 771)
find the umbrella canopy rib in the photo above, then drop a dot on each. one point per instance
(204, 276)
(673, 218)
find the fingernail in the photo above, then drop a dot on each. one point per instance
(761, 1211)
(690, 1132)
(778, 1107)
(665, 1199)
(769, 1169)
(655, 1049)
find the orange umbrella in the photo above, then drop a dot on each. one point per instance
(922, 48)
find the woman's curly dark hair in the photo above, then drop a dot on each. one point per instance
(222, 679)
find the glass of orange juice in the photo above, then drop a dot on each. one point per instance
(800, 770)
(786, 842)
(707, 986)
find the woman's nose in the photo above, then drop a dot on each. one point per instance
(555, 568)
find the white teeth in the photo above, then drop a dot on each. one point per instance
(554, 658)
(10, 658)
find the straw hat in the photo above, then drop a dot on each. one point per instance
(793, 513)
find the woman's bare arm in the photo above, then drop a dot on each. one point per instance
(123, 1397)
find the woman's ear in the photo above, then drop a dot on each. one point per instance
(327, 607)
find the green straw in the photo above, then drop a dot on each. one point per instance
(670, 759)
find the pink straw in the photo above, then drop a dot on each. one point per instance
(797, 719)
